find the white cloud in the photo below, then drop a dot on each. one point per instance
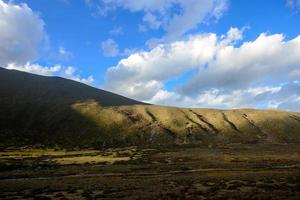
(286, 96)
(259, 97)
(55, 70)
(268, 58)
(192, 13)
(61, 54)
(110, 48)
(129, 51)
(69, 72)
(219, 9)
(291, 105)
(233, 35)
(164, 62)
(21, 35)
(64, 54)
(152, 20)
(161, 63)
(295, 4)
(294, 74)
(35, 68)
(116, 31)
(159, 13)
(139, 90)
(227, 75)
(164, 97)
(89, 80)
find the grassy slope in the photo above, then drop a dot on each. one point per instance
(52, 110)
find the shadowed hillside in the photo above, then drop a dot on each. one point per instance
(55, 111)
(21, 86)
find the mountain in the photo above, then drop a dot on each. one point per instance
(55, 111)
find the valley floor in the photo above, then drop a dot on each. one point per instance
(236, 171)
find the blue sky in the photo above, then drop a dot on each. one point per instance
(170, 52)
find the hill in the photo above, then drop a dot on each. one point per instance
(55, 111)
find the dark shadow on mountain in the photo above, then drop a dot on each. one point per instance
(21, 86)
(38, 110)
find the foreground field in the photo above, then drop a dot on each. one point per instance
(234, 171)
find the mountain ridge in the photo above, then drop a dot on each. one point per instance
(55, 111)
(12, 78)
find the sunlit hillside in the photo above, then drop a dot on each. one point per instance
(37, 110)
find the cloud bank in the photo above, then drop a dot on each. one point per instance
(227, 73)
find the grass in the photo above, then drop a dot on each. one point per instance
(244, 125)
(262, 158)
(249, 171)
(88, 160)
(29, 153)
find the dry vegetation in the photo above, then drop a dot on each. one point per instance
(251, 171)
(165, 125)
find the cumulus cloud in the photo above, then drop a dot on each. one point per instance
(110, 48)
(225, 73)
(139, 90)
(70, 73)
(159, 13)
(35, 68)
(161, 63)
(164, 62)
(170, 98)
(21, 36)
(55, 70)
(268, 58)
(22, 33)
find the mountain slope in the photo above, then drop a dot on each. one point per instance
(55, 111)
(33, 88)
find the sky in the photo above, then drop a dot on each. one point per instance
(188, 53)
